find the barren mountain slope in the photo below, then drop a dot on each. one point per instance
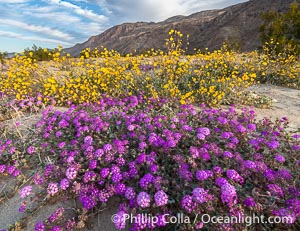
(238, 24)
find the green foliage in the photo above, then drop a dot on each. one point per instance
(2, 57)
(283, 29)
(39, 53)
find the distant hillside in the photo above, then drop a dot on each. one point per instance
(11, 54)
(238, 24)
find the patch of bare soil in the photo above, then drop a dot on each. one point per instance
(286, 104)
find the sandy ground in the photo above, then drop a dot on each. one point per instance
(286, 103)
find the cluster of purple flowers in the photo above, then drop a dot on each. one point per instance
(56, 215)
(161, 198)
(200, 195)
(233, 175)
(52, 189)
(188, 204)
(188, 161)
(26, 191)
(143, 199)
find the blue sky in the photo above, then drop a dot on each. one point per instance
(49, 23)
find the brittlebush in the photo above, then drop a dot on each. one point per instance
(218, 77)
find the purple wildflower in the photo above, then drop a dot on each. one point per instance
(227, 154)
(120, 220)
(201, 175)
(269, 174)
(130, 127)
(143, 199)
(116, 177)
(146, 181)
(38, 179)
(25, 191)
(16, 173)
(200, 195)
(221, 181)
(104, 172)
(130, 193)
(142, 145)
(153, 168)
(240, 128)
(289, 216)
(99, 153)
(107, 147)
(2, 168)
(57, 228)
(233, 175)
(56, 215)
(188, 204)
(205, 131)
(58, 134)
(89, 176)
(141, 158)
(120, 188)
(39, 226)
(87, 202)
(61, 145)
(284, 174)
(194, 152)
(296, 136)
(88, 140)
(52, 189)
(10, 169)
(161, 220)
(226, 135)
(93, 164)
(12, 150)
(273, 144)
(30, 149)
(279, 158)
(228, 195)
(250, 164)
(217, 170)
(71, 173)
(161, 198)
(249, 202)
(64, 184)
(185, 173)
(22, 208)
(251, 127)
(275, 190)
(200, 136)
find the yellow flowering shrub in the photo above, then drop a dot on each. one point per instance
(20, 79)
(218, 77)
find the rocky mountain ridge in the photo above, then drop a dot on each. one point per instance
(237, 25)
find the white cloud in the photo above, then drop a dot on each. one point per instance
(37, 29)
(157, 10)
(79, 28)
(32, 38)
(38, 9)
(89, 29)
(146, 10)
(58, 17)
(89, 14)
